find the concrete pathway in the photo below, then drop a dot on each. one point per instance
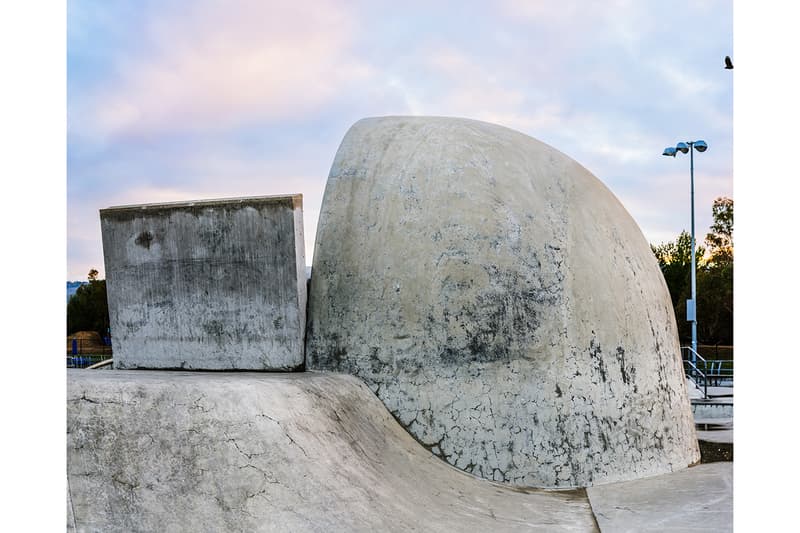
(692, 500)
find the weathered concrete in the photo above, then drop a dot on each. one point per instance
(196, 451)
(212, 284)
(502, 304)
(696, 499)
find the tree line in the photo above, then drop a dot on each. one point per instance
(87, 310)
(714, 279)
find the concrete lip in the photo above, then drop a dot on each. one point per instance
(314, 451)
(297, 199)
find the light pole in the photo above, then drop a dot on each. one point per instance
(691, 305)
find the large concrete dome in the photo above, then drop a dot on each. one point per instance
(501, 302)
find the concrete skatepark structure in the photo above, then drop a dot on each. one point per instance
(502, 304)
(525, 319)
(178, 451)
(208, 285)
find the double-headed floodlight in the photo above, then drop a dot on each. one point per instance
(683, 147)
(691, 307)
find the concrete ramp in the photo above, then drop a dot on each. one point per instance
(196, 451)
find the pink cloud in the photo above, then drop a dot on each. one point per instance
(217, 67)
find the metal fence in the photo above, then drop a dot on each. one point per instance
(89, 347)
(716, 351)
(82, 361)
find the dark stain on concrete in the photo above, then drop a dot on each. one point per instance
(144, 239)
(626, 378)
(213, 328)
(596, 355)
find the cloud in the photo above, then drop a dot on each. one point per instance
(182, 100)
(577, 18)
(683, 82)
(455, 84)
(472, 85)
(216, 67)
(83, 223)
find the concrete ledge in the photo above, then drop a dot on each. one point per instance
(209, 285)
(712, 409)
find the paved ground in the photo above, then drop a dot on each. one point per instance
(192, 451)
(714, 422)
(721, 436)
(696, 499)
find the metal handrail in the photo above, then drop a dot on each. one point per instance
(697, 355)
(697, 371)
(710, 369)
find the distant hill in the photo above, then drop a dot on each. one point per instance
(72, 287)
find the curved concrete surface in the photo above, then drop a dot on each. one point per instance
(501, 302)
(179, 451)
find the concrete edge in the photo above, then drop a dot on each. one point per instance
(296, 202)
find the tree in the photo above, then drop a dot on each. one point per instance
(714, 277)
(675, 260)
(720, 240)
(87, 310)
(715, 303)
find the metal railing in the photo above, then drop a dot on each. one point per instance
(89, 347)
(702, 372)
(84, 361)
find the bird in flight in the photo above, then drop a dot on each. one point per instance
(728, 62)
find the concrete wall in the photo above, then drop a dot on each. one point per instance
(213, 284)
(501, 302)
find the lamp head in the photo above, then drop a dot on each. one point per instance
(682, 147)
(700, 146)
(670, 151)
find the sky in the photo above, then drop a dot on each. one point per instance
(175, 100)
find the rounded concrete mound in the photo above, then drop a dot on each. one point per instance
(502, 304)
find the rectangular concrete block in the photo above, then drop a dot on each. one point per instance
(210, 284)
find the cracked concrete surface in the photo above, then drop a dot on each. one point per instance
(197, 451)
(502, 304)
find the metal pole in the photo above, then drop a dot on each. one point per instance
(694, 267)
